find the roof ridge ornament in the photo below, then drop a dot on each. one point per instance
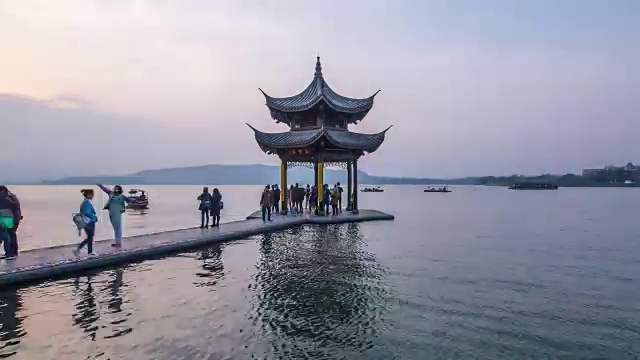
(318, 73)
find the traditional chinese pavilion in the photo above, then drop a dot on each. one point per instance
(319, 135)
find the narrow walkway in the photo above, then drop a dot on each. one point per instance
(38, 264)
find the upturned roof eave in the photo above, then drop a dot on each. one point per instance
(376, 139)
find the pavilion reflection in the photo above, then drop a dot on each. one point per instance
(317, 290)
(212, 266)
(10, 322)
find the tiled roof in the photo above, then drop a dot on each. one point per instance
(297, 138)
(316, 91)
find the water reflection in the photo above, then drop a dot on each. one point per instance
(10, 324)
(318, 290)
(89, 317)
(213, 269)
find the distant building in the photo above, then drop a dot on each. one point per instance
(630, 167)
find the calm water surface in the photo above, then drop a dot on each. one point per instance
(479, 273)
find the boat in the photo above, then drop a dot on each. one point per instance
(533, 186)
(140, 199)
(437, 190)
(375, 189)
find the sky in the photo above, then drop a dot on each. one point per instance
(476, 87)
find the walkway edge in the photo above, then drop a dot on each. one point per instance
(57, 269)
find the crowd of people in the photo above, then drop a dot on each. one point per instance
(300, 199)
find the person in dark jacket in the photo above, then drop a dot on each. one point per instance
(266, 202)
(276, 199)
(216, 206)
(205, 207)
(10, 216)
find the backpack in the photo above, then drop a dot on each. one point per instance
(6, 219)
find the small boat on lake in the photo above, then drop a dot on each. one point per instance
(533, 186)
(437, 190)
(140, 199)
(375, 189)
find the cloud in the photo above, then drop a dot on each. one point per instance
(537, 86)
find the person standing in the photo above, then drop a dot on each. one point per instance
(276, 199)
(116, 206)
(326, 198)
(89, 212)
(216, 207)
(266, 203)
(307, 195)
(335, 195)
(290, 200)
(340, 191)
(204, 207)
(10, 216)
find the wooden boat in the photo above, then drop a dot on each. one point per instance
(376, 189)
(533, 186)
(140, 199)
(439, 190)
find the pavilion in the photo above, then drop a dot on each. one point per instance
(319, 135)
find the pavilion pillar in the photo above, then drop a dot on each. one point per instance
(315, 178)
(354, 206)
(283, 187)
(320, 189)
(349, 185)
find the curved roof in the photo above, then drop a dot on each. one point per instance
(317, 91)
(342, 138)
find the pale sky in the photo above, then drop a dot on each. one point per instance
(475, 87)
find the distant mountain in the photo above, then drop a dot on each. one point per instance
(242, 175)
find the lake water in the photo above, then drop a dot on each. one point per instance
(481, 272)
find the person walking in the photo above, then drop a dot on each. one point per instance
(10, 217)
(266, 203)
(216, 207)
(205, 200)
(89, 213)
(116, 206)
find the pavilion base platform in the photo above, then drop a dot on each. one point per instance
(47, 263)
(344, 217)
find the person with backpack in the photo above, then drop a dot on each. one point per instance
(10, 217)
(86, 220)
(205, 207)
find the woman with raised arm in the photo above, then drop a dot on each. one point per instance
(116, 206)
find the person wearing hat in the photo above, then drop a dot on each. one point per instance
(10, 216)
